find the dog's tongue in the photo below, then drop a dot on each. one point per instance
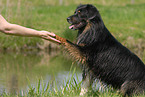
(71, 27)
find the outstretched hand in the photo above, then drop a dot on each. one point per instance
(17, 30)
(49, 36)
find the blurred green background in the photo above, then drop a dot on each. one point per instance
(124, 18)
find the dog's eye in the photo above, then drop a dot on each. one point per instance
(79, 11)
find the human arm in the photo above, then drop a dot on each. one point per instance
(17, 30)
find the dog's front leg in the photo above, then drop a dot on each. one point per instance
(87, 82)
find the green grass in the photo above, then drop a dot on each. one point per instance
(70, 88)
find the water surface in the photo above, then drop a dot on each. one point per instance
(17, 68)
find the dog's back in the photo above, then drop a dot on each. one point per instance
(116, 65)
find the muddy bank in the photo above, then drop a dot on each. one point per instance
(45, 46)
(137, 46)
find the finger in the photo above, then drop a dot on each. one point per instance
(51, 39)
(49, 33)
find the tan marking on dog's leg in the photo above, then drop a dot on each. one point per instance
(87, 83)
(83, 91)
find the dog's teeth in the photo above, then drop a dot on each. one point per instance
(71, 27)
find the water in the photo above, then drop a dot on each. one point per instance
(17, 68)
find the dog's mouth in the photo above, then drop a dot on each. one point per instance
(77, 25)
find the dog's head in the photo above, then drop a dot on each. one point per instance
(88, 21)
(83, 14)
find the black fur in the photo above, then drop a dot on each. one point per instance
(106, 58)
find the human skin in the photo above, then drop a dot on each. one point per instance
(17, 30)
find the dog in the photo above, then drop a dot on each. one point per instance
(101, 55)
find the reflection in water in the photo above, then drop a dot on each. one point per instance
(13, 84)
(17, 68)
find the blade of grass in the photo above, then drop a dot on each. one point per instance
(38, 87)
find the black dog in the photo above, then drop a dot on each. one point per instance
(103, 57)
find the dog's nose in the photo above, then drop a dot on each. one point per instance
(68, 19)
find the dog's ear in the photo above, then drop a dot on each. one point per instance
(82, 6)
(91, 11)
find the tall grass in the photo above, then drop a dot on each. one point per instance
(70, 88)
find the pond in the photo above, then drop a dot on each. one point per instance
(19, 70)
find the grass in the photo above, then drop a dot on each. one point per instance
(70, 88)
